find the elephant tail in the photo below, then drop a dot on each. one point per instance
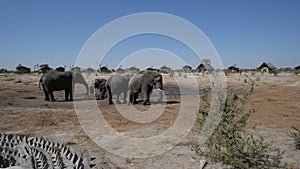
(40, 81)
(40, 84)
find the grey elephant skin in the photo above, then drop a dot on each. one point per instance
(116, 85)
(57, 81)
(100, 85)
(144, 82)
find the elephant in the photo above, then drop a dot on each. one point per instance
(57, 81)
(144, 82)
(100, 85)
(116, 85)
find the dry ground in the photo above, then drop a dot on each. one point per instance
(24, 111)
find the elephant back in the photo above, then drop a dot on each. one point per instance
(118, 82)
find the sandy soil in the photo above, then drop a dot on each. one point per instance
(24, 111)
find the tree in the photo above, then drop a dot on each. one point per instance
(206, 61)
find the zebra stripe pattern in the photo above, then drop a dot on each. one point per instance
(39, 153)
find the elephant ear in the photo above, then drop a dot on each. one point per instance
(96, 84)
(78, 78)
(148, 78)
(157, 77)
(102, 82)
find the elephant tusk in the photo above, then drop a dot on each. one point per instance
(159, 89)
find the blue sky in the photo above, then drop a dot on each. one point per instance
(244, 32)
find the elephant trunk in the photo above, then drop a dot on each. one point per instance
(84, 83)
(160, 87)
(78, 78)
(41, 81)
(92, 89)
(86, 87)
(159, 82)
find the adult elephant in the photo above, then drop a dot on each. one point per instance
(56, 81)
(100, 85)
(116, 85)
(144, 82)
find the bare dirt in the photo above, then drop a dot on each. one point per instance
(23, 110)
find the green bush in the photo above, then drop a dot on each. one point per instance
(229, 144)
(295, 136)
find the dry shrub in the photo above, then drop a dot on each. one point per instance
(229, 144)
(295, 136)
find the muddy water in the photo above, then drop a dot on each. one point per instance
(184, 91)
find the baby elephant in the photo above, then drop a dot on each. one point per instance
(100, 85)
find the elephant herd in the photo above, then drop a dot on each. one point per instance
(120, 85)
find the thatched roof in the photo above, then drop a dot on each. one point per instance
(205, 67)
(104, 69)
(233, 67)
(165, 68)
(22, 69)
(187, 67)
(269, 65)
(43, 65)
(44, 68)
(60, 69)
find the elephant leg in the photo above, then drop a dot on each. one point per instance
(101, 95)
(97, 93)
(130, 94)
(135, 96)
(47, 97)
(124, 97)
(118, 98)
(146, 99)
(109, 95)
(52, 99)
(46, 94)
(66, 95)
(160, 96)
(98, 96)
(71, 95)
(146, 93)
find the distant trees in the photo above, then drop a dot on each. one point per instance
(5, 71)
(206, 61)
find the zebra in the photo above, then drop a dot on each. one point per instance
(39, 153)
